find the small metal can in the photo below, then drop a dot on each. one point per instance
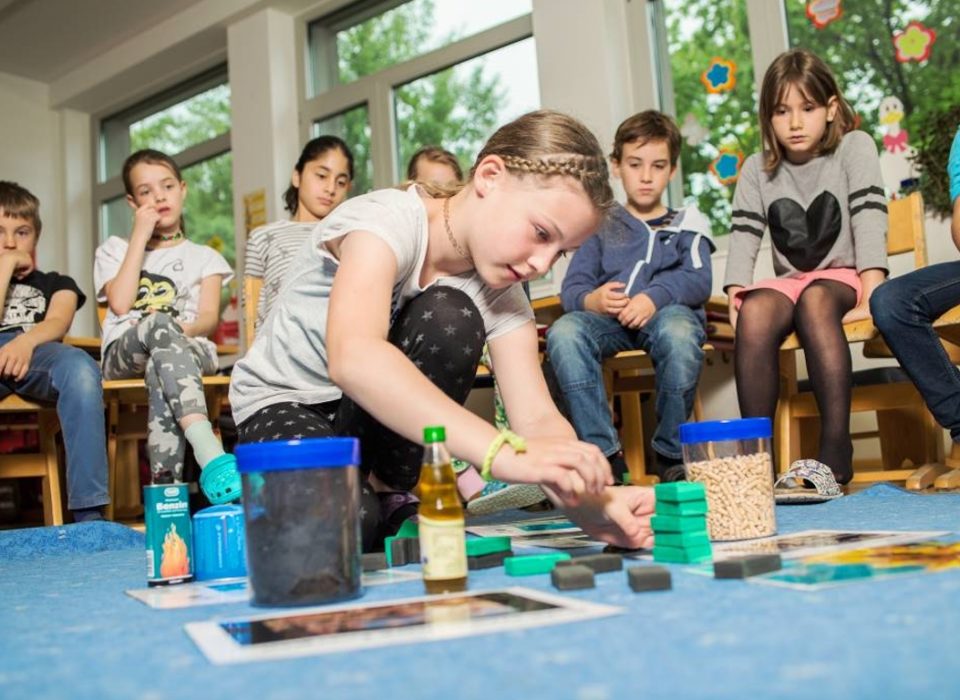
(166, 510)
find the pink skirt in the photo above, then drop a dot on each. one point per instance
(792, 286)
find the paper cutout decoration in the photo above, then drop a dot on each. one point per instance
(726, 166)
(720, 76)
(823, 12)
(896, 160)
(693, 131)
(914, 43)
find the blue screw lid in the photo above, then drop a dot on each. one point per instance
(311, 453)
(718, 430)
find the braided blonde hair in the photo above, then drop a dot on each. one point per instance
(547, 144)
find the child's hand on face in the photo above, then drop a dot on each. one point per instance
(569, 468)
(145, 220)
(21, 261)
(15, 358)
(637, 312)
(607, 300)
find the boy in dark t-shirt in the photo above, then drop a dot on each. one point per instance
(38, 309)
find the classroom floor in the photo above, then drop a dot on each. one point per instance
(69, 630)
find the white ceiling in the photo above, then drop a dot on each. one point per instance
(44, 39)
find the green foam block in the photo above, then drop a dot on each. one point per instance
(408, 529)
(682, 555)
(684, 508)
(533, 564)
(682, 539)
(678, 523)
(478, 546)
(678, 491)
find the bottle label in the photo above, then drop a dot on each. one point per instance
(443, 549)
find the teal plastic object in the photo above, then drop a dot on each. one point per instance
(680, 491)
(219, 543)
(220, 480)
(533, 564)
(480, 546)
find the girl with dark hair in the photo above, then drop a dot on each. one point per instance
(320, 181)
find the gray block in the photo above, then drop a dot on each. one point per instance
(572, 577)
(373, 561)
(649, 578)
(488, 561)
(599, 563)
(744, 567)
(398, 552)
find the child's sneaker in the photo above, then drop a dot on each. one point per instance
(499, 495)
(220, 480)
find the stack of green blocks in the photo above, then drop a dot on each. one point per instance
(680, 523)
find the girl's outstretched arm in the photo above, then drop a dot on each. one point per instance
(382, 380)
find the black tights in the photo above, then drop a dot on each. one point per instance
(766, 318)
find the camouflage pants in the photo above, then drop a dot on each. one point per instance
(171, 365)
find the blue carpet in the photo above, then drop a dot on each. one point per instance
(68, 631)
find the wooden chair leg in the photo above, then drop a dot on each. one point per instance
(925, 476)
(113, 414)
(631, 436)
(52, 496)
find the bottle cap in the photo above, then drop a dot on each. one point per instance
(434, 433)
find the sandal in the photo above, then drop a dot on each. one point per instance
(806, 481)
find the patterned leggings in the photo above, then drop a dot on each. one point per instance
(171, 365)
(442, 333)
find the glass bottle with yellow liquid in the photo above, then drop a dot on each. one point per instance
(443, 547)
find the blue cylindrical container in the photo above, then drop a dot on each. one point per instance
(732, 459)
(219, 543)
(302, 513)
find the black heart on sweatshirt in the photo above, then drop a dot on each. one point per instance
(805, 237)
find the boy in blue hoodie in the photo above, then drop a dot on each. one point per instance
(640, 283)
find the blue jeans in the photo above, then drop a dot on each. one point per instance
(579, 342)
(904, 309)
(71, 378)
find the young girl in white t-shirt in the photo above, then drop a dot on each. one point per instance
(163, 297)
(378, 330)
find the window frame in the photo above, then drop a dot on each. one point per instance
(376, 90)
(117, 125)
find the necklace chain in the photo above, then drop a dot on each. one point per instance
(446, 223)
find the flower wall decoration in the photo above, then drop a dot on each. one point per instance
(823, 12)
(720, 76)
(726, 166)
(914, 43)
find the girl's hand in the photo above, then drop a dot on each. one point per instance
(620, 516)
(569, 468)
(15, 358)
(145, 220)
(857, 313)
(732, 305)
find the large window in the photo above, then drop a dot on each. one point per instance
(191, 123)
(707, 82)
(391, 77)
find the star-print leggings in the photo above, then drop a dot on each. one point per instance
(442, 333)
(171, 365)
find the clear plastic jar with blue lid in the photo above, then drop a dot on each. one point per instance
(732, 459)
(301, 503)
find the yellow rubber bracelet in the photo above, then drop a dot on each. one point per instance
(518, 444)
